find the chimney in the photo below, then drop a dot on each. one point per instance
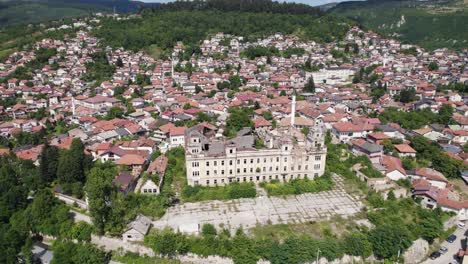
(293, 109)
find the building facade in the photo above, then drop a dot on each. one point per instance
(287, 155)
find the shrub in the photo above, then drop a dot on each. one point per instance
(298, 186)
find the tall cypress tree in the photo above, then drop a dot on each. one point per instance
(310, 85)
(48, 163)
(71, 166)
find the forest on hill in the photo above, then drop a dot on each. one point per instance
(255, 6)
(430, 24)
(191, 22)
(14, 12)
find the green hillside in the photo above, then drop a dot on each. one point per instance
(190, 22)
(430, 24)
(14, 12)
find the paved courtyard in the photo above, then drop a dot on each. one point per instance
(248, 213)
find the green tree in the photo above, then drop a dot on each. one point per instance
(81, 253)
(408, 163)
(47, 215)
(115, 112)
(48, 163)
(407, 95)
(310, 85)
(433, 66)
(238, 119)
(119, 62)
(257, 105)
(101, 193)
(72, 162)
(357, 244)
(387, 240)
(167, 243)
(235, 82)
(445, 114)
(431, 228)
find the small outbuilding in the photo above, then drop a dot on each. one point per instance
(137, 229)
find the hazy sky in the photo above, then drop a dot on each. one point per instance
(310, 2)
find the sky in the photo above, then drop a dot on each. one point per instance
(309, 2)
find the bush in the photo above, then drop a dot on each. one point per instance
(208, 230)
(357, 244)
(298, 186)
(82, 231)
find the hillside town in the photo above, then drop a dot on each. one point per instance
(245, 111)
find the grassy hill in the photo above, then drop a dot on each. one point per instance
(431, 24)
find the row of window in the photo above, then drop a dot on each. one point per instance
(196, 164)
(252, 179)
(197, 173)
(150, 190)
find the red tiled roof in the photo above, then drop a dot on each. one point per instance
(131, 159)
(350, 127)
(404, 148)
(392, 163)
(158, 165)
(430, 174)
(378, 135)
(261, 122)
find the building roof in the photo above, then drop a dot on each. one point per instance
(378, 136)
(158, 165)
(123, 180)
(350, 127)
(404, 148)
(430, 174)
(141, 224)
(131, 159)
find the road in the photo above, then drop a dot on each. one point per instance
(77, 216)
(452, 249)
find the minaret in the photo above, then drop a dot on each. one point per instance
(172, 67)
(73, 106)
(293, 109)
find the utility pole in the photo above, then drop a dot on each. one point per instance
(318, 255)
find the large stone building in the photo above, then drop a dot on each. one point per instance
(287, 154)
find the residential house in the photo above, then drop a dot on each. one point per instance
(435, 178)
(346, 131)
(362, 147)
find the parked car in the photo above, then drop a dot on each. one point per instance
(435, 255)
(443, 250)
(461, 225)
(451, 238)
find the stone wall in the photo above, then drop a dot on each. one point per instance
(416, 252)
(451, 222)
(72, 201)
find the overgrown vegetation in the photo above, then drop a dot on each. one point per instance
(298, 186)
(428, 151)
(227, 192)
(418, 118)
